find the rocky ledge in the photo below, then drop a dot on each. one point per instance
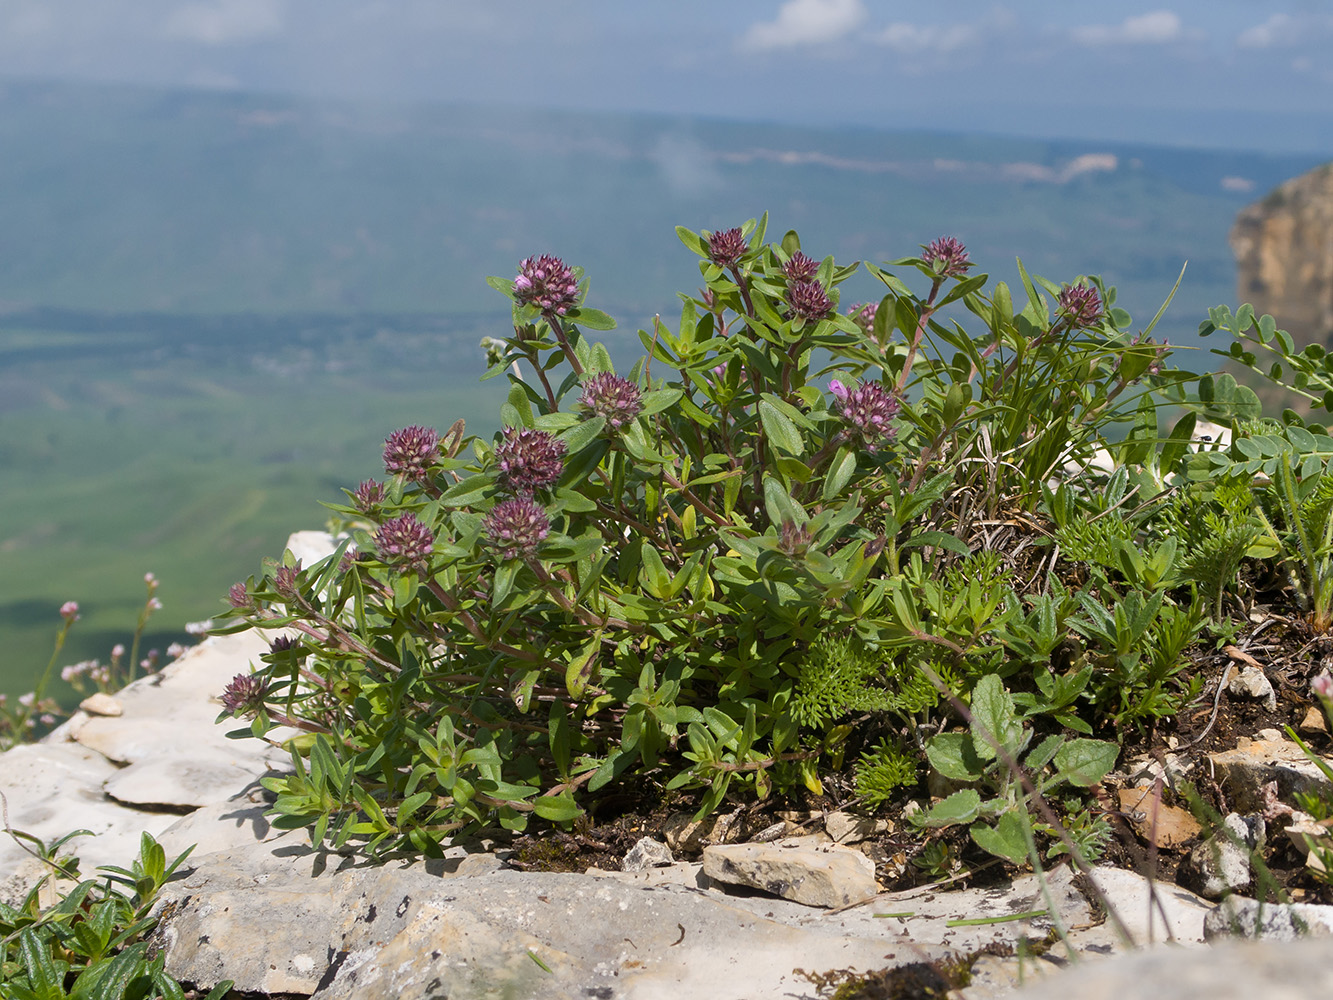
(782, 916)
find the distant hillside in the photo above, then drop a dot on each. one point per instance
(194, 202)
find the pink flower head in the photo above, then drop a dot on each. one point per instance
(547, 283)
(800, 267)
(405, 541)
(69, 611)
(612, 397)
(369, 495)
(726, 248)
(1322, 686)
(517, 526)
(947, 257)
(411, 452)
(245, 694)
(868, 413)
(808, 300)
(285, 579)
(1080, 305)
(529, 459)
(863, 315)
(239, 597)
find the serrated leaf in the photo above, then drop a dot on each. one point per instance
(960, 807)
(954, 756)
(994, 719)
(1085, 762)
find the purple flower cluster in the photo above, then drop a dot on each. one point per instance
(369, 495)
(808, 300)
(547, 283)
(863, 315)
(726, 248)
(411, 452)
(404, 541)
(1080, 305)
(868, 412)
(517, 526)
(239, 597)
(529, 459)
(612, 397)
(947, 257)
(246, 693)
(285, 579)
(800, 267)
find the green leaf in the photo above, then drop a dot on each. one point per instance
(839, 473)
(955, 757)
(557, 808)
(1007, 839)
(994, 718)
(658, 400)
(1085, 762)
(580, 669)
(582, 434)
(960, 807)
(782, 433)
(593, 319)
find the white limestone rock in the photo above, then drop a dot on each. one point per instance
(1221, 864)
(647, 853)
(799, 869)
(1252, 683)
(1244, 771)
(183, 782)
(1237, 916)
(1235, 971)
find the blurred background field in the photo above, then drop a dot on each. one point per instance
(215, 306)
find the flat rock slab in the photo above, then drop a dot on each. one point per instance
(173, 712)
(183, 782)
(420, 931)
(1254, 763)
(53, 789)
(799, 869)
(1234, 971)
(339, 928)
(1238, 916)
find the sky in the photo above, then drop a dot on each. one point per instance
(1220, 73)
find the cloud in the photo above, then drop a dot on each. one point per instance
(806, 22)
(917, 39)
(222, 22)
(1154, 28)
(1284, 31)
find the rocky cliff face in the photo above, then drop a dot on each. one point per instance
(1284, 256)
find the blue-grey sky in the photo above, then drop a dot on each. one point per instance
(1207, 72)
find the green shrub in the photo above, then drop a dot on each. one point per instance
(781, 521)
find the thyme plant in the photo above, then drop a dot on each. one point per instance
(719, 570)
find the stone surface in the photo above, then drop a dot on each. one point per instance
(1313, 721)
(1304, 832)
(799, 869)
(1284, 255)
(1232, 971)
(100, 703)
(184, 782)
(1252, 683)
(1238, 916)
(1221, 864)
(1166, 826)
(1244, 771)
(846, 828)
(647, 853)
(50, 790)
